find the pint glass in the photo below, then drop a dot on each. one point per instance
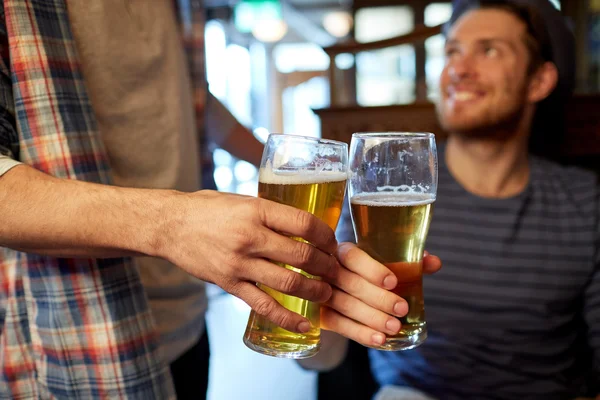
(392, 188)
(309, 174)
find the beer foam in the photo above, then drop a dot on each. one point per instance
(393, 199)
(302, 177)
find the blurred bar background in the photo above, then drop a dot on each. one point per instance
(328, 68)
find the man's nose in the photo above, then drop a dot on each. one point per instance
(461, 67)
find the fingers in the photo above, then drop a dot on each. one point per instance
(368, 293)
(291, 221)
(334, 321)
(360, 262)
(360, 312)
(286, 281)
(431, 263)
(300, 255)
(363, 308)
(269, 308)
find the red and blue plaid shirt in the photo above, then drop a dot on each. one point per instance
(71, 328)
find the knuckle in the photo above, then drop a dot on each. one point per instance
(304, 254)
(283, 320)
(353, 253)
(290, 282)
(353, 284)
(256, 241)
(233, 263)
(241, 239)
(244, 232)
(231, 286)
(264, 306)
(248, 241)
(383, 299)
(346, 254)
(374, 319)
(259, 208)
(305, 221)
(358, 259)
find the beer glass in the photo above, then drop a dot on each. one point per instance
(309, 174)
(392, 188)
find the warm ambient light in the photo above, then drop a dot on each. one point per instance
(270, 30)
(338, 23)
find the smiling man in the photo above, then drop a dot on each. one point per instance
(515, 314)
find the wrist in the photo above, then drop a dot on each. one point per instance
(168, 226)
(164, 215)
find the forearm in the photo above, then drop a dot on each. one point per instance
(228, 133)
(332, 353)
(66, 218)
(243, 145)
(216, 237)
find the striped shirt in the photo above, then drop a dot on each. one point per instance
(515, 312)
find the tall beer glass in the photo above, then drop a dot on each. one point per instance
(393, 184)
(309, 174)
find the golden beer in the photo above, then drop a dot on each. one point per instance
(322, 195)
(392, 227)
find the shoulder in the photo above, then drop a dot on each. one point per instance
(568, 185)
(564, 174)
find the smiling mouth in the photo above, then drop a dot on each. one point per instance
(464, 96)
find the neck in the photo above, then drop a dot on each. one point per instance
(487, 167)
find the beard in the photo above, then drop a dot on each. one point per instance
(496, 123)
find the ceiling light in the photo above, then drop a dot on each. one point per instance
(338, 23)
(271, 30)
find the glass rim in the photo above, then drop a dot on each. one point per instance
(309, 139)
(393, 135)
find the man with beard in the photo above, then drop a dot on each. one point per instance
(515, 314)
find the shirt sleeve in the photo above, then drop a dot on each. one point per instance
(6, 163)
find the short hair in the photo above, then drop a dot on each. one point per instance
(548, 125)
(536, 38)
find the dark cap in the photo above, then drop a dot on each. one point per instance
(562, 40)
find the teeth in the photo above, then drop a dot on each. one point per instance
(464, 96)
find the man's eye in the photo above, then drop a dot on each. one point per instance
(450, 52)
(491, 52)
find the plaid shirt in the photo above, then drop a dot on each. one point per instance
(70, 328)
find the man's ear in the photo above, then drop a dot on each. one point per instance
(542, 82)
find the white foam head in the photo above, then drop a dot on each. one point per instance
(303, 177)
(394, 199)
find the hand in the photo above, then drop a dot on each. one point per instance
(228, 239)
(361, 307)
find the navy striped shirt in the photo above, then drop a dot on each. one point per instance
(515, 311)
